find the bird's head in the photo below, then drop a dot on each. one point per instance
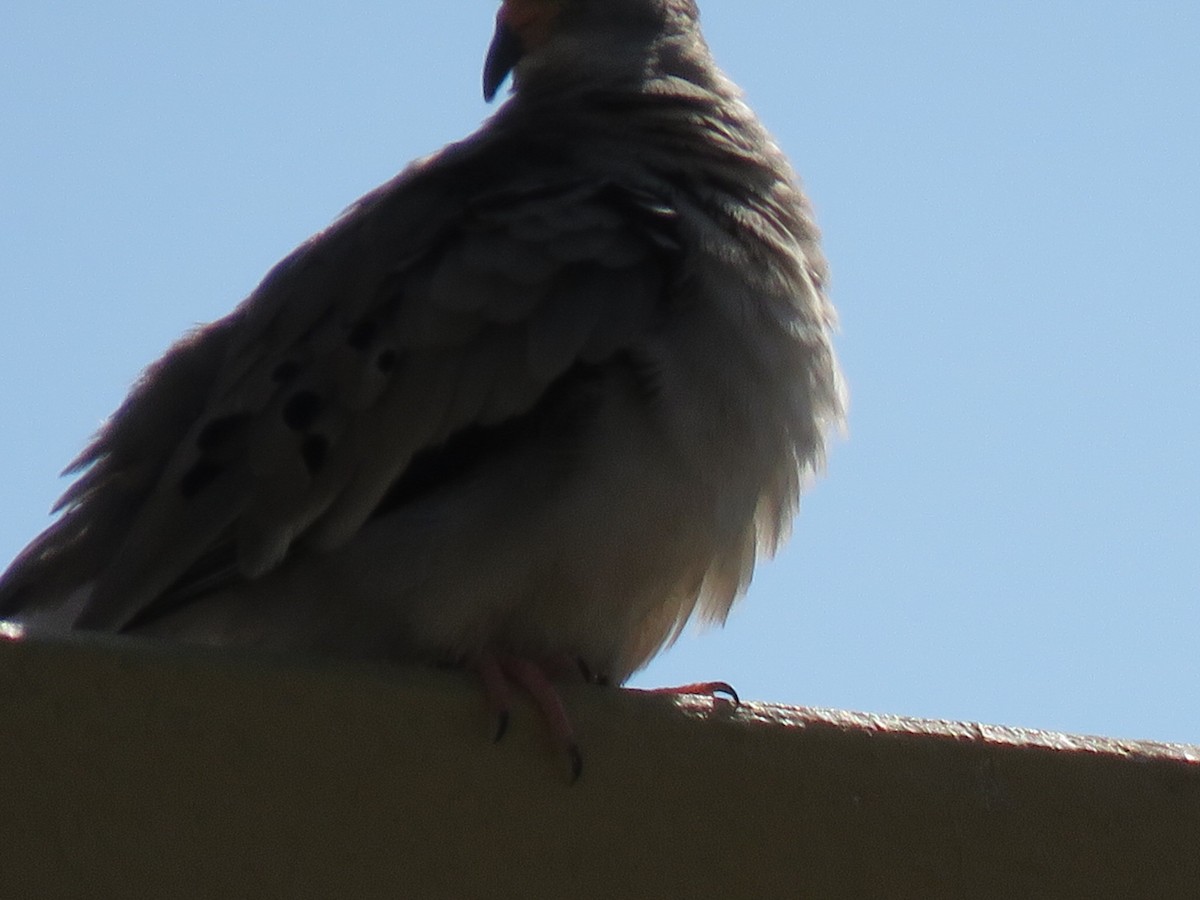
(601, 40)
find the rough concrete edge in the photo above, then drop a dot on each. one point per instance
(780, 715)
(748, 712)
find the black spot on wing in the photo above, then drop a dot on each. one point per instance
(219, 433)
(198, 477)
(301, 410)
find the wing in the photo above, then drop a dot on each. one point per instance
(433, 307)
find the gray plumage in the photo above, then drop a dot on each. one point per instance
(551, 391)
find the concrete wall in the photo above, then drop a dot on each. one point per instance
(129, 770)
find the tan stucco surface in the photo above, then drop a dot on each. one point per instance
(131, 770)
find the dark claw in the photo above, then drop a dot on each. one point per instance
(575, 758)
(721, 687)
(501, 726)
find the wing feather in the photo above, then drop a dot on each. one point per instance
(286, 424)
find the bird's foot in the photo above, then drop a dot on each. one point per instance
(500, 673)
(711, 689)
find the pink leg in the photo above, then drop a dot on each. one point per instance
(499, 672)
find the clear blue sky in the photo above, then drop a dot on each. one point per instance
(1010, 195)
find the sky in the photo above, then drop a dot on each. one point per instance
(1009, 194)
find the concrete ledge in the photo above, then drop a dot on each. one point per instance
(132, 770)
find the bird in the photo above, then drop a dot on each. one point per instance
(532, 405)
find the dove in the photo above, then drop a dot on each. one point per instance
(534, 404)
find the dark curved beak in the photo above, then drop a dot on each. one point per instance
(504, 54)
